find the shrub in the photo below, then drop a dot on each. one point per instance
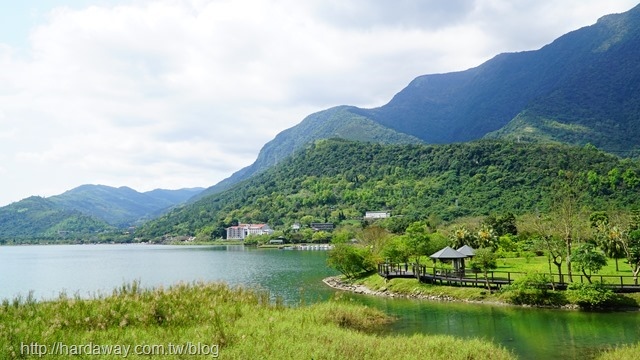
(590, 295)
(533, 289)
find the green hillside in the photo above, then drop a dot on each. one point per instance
(37, 218)
(333, 180)
(339, 122)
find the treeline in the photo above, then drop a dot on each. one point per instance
(338, 180)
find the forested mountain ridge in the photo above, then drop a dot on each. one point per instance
(85, 211)
(581, 88)
(598, 100)
(332, 180)
(121, 206)
(338, 122)
(37, 218)
(587, 77)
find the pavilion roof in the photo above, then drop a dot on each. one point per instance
(467, 250)
(448, 253)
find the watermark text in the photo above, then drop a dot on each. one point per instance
(124, 350)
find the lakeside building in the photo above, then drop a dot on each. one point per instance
(241, 231)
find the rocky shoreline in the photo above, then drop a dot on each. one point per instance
(337, 283)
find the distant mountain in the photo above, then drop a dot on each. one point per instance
(333, 180)
(582, 88)
(85, 211)
(121, 206)
(37, 218)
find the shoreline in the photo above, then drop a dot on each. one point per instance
(335, 282)
(338, 283)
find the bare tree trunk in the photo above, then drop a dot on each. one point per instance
(569, 257)
(553, 284)
(559, 265)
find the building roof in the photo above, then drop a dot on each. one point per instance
(245, 226)
(467, 250)
(448, 253)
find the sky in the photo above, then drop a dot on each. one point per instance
(182, 93)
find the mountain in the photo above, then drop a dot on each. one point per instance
(339, 122)
(598, 100)
(85, 211)
(36, 218)
(333, 180)
(581, 88)
(121, 206)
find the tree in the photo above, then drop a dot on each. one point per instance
(484, 260)
(588, 259)
(397, 250)
(350, 260)
(344, 234)
(321, 237)
(374, 237)
(608, 237)
(612, 245)
(487, 238)
(555, 249)
(632, 249)
(565, 203)
(418, 240)
(461, 236)
(502, 225)
(549, 240)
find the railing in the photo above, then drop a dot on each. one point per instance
(497, 278)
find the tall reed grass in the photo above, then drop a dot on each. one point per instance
(242, 323)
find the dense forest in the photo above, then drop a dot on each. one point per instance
(336, 180)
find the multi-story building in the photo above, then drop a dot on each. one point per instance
(241, 231)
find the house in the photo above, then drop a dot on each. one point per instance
(241, 231)
(374, 215)
(322, 226)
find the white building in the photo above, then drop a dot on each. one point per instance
(372, 215)
(241, 231)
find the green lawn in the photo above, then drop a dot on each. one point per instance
(540, 264)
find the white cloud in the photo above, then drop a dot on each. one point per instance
(176, 93)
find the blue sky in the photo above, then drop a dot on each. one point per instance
(182, 93)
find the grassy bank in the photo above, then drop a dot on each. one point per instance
(622, 353)
(413, 288)
(241, 323)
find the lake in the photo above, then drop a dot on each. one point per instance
(296, 277)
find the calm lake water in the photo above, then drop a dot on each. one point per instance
(296, 276)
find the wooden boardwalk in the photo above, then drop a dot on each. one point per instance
(495, 279)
